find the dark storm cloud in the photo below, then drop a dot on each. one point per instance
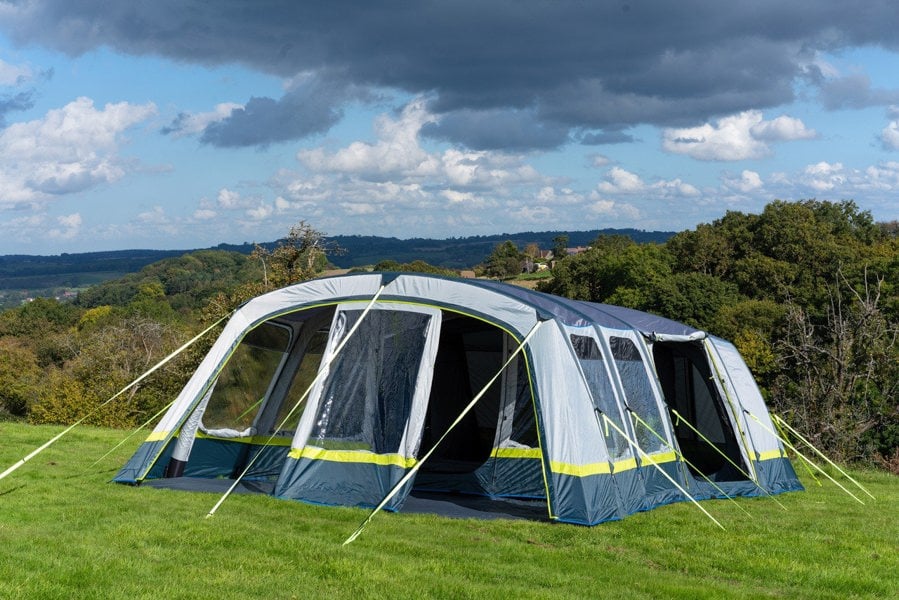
(511, 130)
(312, 107)
(572, 65)
(595, 138)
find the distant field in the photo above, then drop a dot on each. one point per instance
(67, 533)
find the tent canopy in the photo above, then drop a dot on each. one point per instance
(332, 398)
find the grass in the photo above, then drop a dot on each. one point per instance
(65, 532)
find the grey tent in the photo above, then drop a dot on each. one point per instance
(604, 411)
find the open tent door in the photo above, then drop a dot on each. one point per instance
(494, 451)
(362, 427)
(706, 432)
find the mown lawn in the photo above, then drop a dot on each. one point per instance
(65, 533)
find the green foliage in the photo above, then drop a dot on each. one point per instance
(505, 261)
(20, 376)
(416, 266)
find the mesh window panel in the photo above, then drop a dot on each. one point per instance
(594, 368)
(638, 391)
(367, 396)
(306, 372)
(246, 377)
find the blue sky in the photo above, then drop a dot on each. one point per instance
(188, 124)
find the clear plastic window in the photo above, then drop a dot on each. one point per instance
(639, 393)
(594, 367)
(245, 380)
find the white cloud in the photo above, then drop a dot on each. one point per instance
(621, 181)
(204, 214)
(228, 199)
(598, 160)
(738, 137)
(260, 212)
(824, 176)
(782, 129)
(13, 75)
(69, 227)
(71, 149)
(747, 182)
(890, 134)
(396, 153)
(608, 208)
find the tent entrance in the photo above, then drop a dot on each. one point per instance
(494, 450)
(687, 383)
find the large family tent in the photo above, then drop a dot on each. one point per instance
(331, 390)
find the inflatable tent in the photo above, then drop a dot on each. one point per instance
(331, 390)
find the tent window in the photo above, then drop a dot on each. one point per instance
(305, 374)
(367, 396)
(244, 382)
(594, 367)
(638, 392)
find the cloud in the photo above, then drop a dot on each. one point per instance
(532, 77)
(889, 137)
(193, 124)
(70, 149)
(854, 91)
(738, 137)
(510, 130)
(748, 181)
(824, 176)
(621, 181)
(69, 227)
(14, 75)
(311, 106)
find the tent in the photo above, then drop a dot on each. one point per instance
(331, 390)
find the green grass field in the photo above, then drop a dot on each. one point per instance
(67, 533)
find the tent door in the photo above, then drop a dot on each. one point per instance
(362, 427)
(689, 388)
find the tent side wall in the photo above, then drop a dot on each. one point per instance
(769, 459)
(143, 463)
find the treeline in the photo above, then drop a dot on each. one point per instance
(806, 290)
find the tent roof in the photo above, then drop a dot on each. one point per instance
(576, 313)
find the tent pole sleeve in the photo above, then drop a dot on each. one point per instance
(802, 456)
(649, 459)
(680, 455)
(322, 369)
(748, 442)
(778, 419)
(411, 472)
(146, 374)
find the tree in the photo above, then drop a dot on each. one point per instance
(560, 247)
(298, 257)
(505, 261)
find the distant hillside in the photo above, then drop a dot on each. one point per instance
(457, 253)
(24, 276)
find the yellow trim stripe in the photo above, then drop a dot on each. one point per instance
(770, 454)
(561, 468)
(517, 453)
(664, 457)
(157, 436)
(352, 456)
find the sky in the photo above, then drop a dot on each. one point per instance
(186, 124)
